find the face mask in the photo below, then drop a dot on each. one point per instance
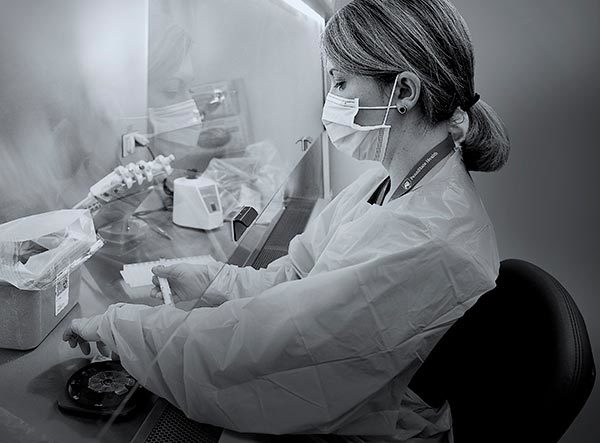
(361, 142)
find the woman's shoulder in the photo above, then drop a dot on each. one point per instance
(450, 207)
(455, 215)
(450, 197)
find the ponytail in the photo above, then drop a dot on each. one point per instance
(381, 38)
(486, 146)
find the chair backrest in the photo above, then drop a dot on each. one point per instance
(517, 367)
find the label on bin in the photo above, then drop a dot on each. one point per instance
(62, 293)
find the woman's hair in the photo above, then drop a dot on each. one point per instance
(381, 38)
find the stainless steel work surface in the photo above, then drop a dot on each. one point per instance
(32, 381)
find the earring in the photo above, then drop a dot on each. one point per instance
(402, 110)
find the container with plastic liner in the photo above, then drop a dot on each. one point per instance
(40, 257)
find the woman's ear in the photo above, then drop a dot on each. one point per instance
(408, 91)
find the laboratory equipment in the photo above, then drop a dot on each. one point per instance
(251, 178)
(214, 123)
(196, 203)
(165, 288)
(209, 101)
(140, 274)
(174, 117)
(35, 250)
(101, 389)
(123, 235)
(242, 221)
(126, 180)
(28, 316)
(320, 321)
(40, 257)
(222, 106)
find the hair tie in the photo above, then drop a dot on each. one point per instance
(470, 103)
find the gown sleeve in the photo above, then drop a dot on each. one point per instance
(313, 355)
(231, 282)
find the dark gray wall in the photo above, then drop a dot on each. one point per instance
(537, 64)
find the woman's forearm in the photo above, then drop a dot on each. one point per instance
(232, 282)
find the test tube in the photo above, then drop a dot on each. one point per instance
(165, 288)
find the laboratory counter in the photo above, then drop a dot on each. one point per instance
(32, 381)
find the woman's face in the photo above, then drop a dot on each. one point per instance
(366, 89)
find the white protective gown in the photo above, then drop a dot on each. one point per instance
(327, 338)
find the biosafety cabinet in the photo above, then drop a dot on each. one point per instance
(251, 70)
(229, 91)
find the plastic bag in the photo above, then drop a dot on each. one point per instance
(173, 117)
(36, 250)
(250, 180)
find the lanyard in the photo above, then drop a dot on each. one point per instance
(426, 164)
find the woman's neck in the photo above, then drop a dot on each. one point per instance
(407, 148)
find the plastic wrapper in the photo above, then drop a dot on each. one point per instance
(36, 250)
(212, 123)
(251, 179)
(173, 117)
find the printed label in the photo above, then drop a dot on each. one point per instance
(62, 293)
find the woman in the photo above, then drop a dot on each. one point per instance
(327, 338)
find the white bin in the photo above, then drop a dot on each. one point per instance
(27, 317)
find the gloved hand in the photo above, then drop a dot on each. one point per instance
(187, 281)
(82, 331)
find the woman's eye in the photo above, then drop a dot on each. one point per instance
(339, 85)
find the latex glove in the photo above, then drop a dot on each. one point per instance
(82, 331)
(187, 281)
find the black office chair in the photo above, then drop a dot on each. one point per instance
(517, 367)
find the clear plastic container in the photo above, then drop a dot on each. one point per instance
(123, 236)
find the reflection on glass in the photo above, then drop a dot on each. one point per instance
(198, 288)
(231, 87)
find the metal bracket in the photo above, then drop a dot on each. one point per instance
(306, 142)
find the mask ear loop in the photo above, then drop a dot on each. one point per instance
(389, 106)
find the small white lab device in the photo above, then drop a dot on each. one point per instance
(196, 203)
